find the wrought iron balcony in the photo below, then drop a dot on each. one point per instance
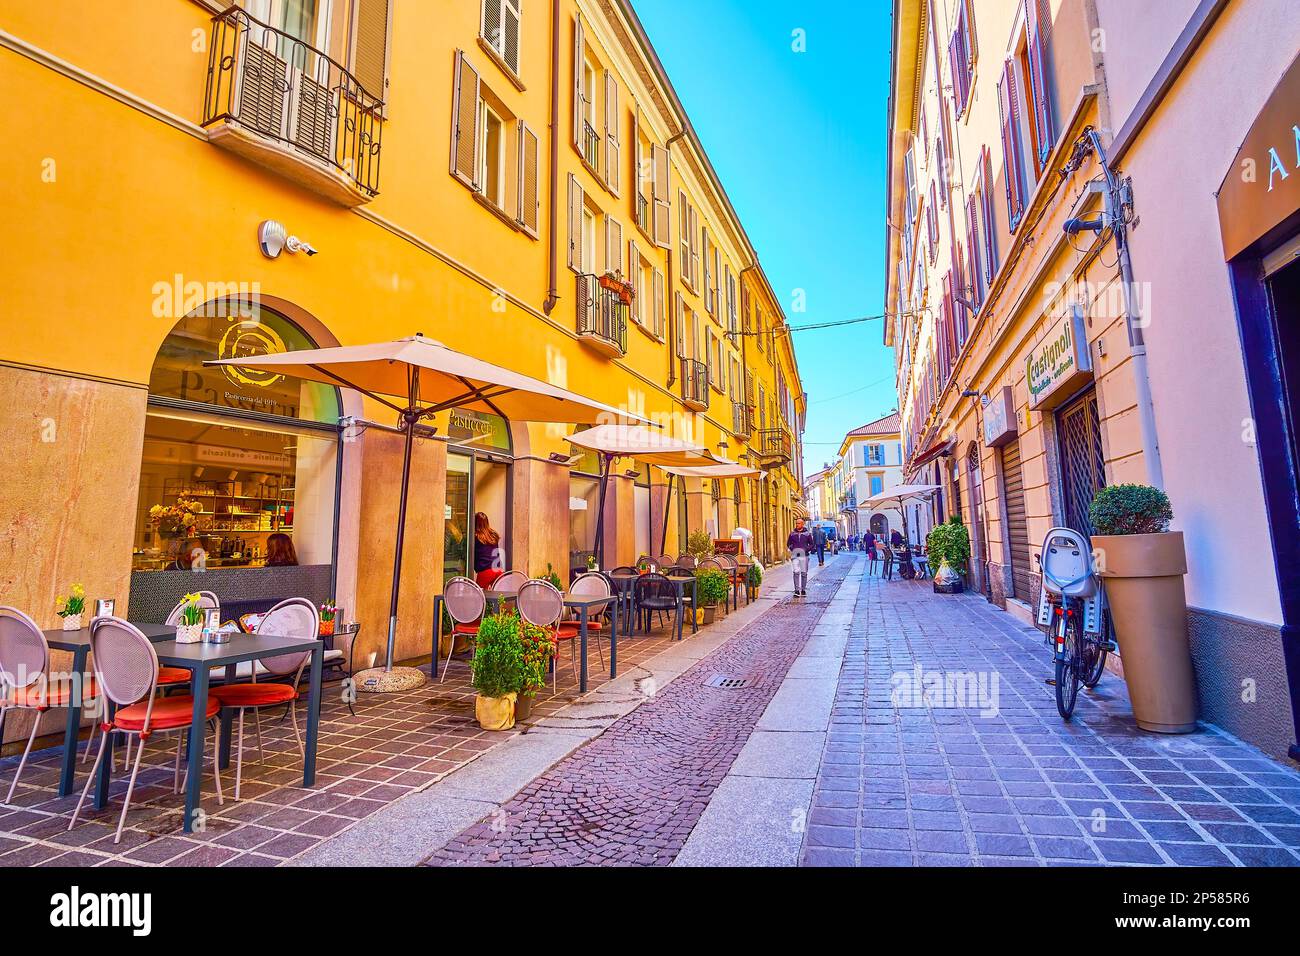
(774, 447)
(602, 315)
(742, 421)
(274, 99)
(695, 384)
(590, 145)
(643, 212)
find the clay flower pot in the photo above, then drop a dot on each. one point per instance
(1148, 605)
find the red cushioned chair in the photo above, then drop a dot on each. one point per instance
(25, 680)
(541, 603)
(295, 617)
(465, 605)
(126, 672)
(591, 584)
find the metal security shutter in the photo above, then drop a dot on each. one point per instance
(1083, 464)
(370, 45)
(1017, 530)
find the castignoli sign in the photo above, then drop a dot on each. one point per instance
(1060, 362)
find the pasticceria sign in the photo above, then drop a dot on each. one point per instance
(1060, 362)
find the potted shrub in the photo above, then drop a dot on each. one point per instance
(1142, 563)
(711, 586)
(699, 545)
(553, 577)
(539, 648)
(753, 578)
(499, 670)
(949, 545)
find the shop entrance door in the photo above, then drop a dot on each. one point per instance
(458, 530)
(1083, 464)
(1017, 529)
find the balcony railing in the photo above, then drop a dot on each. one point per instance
(602, 316)
(643, 212)
(280, 102)
(742, 421)
(774, 447)
(590, 145)
(695, 384)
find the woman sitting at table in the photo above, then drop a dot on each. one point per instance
(279, 551)
(489, 558)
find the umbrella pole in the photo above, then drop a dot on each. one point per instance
(605, 462)
(409, 419)
(668, 501)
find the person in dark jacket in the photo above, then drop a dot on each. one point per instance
(869, 544)
(819, 541)
(489, 559)
(800, 544)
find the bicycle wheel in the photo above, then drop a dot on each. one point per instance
(1094, 658)
(1068, 668)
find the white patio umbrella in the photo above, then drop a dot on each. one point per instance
(612, 441)
(900, 494)
(425, 377)
(723, 468)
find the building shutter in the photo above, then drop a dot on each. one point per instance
(657, 302)
(612, 155)
(464, 123)
(695, 249)
(613, 246)
(1037, 25)
(660, 196)
(371, 25)
(529, 198)
(510, 17)
(990, 235)
(973, 243)
(1011, 153)
(575, 224)
(961, 319)
(1017, 528)
(708, 276)
(679, 321)
(578, 59)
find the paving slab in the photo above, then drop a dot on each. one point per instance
(750, 822)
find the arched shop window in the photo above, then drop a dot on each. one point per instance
(233, 455)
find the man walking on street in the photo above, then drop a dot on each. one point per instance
(800, 544)
(819, 540)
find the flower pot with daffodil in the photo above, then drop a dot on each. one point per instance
(189, 627)
(72, 607)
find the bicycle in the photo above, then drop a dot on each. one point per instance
(1072, 607)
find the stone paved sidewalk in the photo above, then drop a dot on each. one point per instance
(633, 794)
(1003, 780)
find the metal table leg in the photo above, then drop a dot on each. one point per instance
(198, 731)
(582, 631)
(73, 726)
(313, 717)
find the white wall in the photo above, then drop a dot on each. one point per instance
(1177, 163)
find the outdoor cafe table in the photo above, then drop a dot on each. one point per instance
(583, 604)
(199, 659)
(625, 584)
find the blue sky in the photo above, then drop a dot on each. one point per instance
(798, 139)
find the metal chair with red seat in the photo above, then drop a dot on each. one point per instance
(25, 679)
(126, 672)
(295, 617)
(465, 604)
(592, 584)
(510, 581)
(541, 603)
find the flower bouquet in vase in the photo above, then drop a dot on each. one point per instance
(328, 613)
(72, 607)
(176, 521)
(189, 628)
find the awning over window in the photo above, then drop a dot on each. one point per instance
(937, 450)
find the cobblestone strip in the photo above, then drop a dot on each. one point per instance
(632, 795)
(992, 776)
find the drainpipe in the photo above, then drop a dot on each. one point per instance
(552, 291)
(670, 289)
(1114, 217)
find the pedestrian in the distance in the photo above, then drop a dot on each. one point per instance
(800, 544)
(819, 541)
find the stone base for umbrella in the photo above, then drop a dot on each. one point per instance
(379, 680)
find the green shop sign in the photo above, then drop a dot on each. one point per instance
(1060, 362)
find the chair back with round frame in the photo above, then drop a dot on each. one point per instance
(540, 603)
(726, 562)
(207, 601)
(687, 561)
(592, 584)
(293, 617)
(126, 664)
(24, 651)
(510, 581)
(463, 600)
(710, 563)
(665, 561)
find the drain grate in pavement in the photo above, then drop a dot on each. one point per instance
(727, 681)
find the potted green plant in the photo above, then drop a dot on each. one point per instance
(753, 578)
(499, 670)
(539, 648)
(1142, 563)
(189, 629)
(949, 545)
(553, 576)
(699, 545)
(711, 585)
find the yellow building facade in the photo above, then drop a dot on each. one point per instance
(521, 184)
